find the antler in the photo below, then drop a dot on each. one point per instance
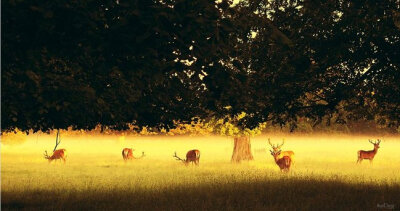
(58, 140)
(275, 152)
(283, 142)
(178, 158)
(46, 155)
(269, 141)
(378, 141)
(277, 146)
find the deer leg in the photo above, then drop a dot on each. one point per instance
(370, 161)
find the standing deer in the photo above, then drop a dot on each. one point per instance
(369, 155)
(57, 153)
(191, 156)
(127, 154)
(281, 154)
(284, 162)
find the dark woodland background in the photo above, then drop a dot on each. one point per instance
(85, 64)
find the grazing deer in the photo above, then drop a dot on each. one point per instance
(281, 154)
(284, 162)
(127, 154)
(57, 153)
(369, 155)
(191, 156)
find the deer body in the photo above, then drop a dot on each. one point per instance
(283, 162)
(368, 155)
(191, 156)
(127, 154)
(289, 154)
(58, 154)
(282, 154)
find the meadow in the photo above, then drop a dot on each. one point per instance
(325, 175)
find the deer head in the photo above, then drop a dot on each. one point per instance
(376, 143)
(46, 156)
(275, 154)
(178, 158)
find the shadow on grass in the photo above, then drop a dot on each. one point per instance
(286, 194)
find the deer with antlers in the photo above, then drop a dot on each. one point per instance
(284, 162)
(127, 154)
(281, 154)
(369, 155)
(57, 153)
(191, 156)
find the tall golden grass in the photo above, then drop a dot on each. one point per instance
(325, 175)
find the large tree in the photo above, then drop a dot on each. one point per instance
(310, 59)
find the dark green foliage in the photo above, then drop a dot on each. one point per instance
(319, 58)
(113, 63)
(85, 63)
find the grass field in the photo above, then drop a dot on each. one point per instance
(324, 177)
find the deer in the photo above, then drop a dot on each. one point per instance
(127, 154)
(281, 154)
(57, 153)
(191, 156)
(284, 162)
(369, 155)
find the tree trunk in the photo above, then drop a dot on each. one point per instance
(242, 149)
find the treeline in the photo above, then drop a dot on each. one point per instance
(226, 129)
(197, 128)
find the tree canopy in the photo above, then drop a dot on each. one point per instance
(151, 63)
